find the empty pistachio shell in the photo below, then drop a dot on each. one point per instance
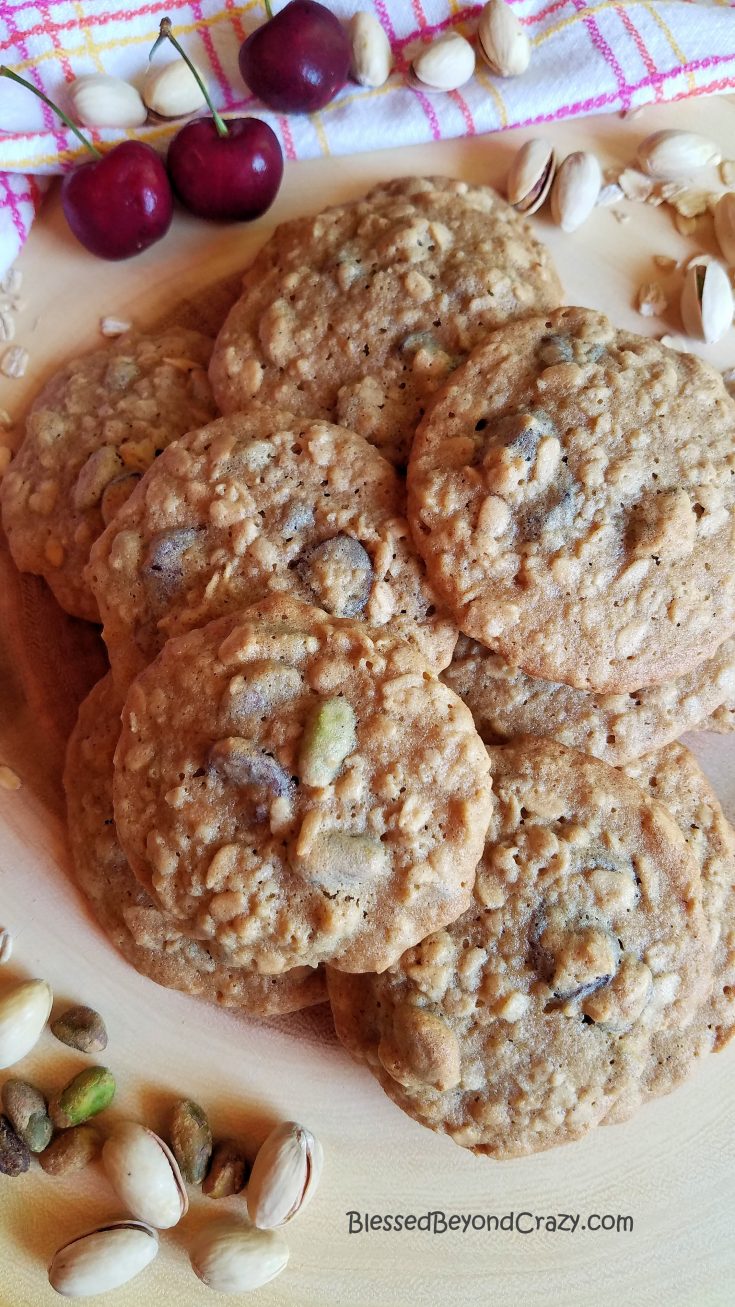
(99, 100)
(191, 1140)
(103, 1259)
(285, 1175)
(725, 226)
(24, 1011)
(575, 190)
(82, 1028)
(145, 1175)
(444, 65)
(87, 1094)
(372, 57)
(329, 737)
(231, 1257)
(530, 177)
(27, 1112)
(171, 90)
(676, 154)
(707, 302)
(502, 40)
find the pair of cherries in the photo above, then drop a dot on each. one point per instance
(120, 203)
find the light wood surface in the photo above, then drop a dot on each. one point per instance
(671, 1169)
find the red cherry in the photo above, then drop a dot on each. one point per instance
(236, 176)
(120, 204)
(297, 61)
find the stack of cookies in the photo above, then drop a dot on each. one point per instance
(400, 648)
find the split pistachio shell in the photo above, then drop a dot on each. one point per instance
(372, 57)
(231, 1257)
(100, 100)
(445, 65)
(285, 1175)
(725, 226)
(575, 190)
(672, 154)
(24, 1011)
(707, 302)
(103, 1259)
(145, 1175)
(502, 40)
(531, 175)
(171, 90)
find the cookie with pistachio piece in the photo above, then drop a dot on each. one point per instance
(520, 1025)
(674, 778)
(257, 503)
(506, 702)
(358, 313)
(153, 943)
(572, 491)
(300, 787)
(97, 424)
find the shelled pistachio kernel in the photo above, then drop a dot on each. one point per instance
(228, 1171)
(191, 1140)
(27, 1112)
(82, 1028)
(71, 1150)
(88, 1093)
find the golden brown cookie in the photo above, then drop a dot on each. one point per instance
(519, 1026)
(301, 787)
(674, 777)
(95, 427)
(505, 702)
(572, 490)
(150, 941)
(357, 314)
(257, 503)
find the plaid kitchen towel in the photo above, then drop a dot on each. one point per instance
(589, 56)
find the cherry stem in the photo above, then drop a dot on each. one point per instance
(8, 72)
(268, 9)
(165, 34)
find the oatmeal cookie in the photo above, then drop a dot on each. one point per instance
(255, 503)
(151, 942)
(300, 788)
(505, 702)
(358, 314)
(673, 777)
(517, 1027)
(572, 491)
(94, 428)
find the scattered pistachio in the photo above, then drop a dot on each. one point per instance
(689, 203)
(232, 1257)
(15, 1157)
(82, 1028)
(103, 1259)
(14, 362)
(372, 57)
(191, 1140)
(725, 225)
(71, 1150)
(100, 100)
(676, 154)
(24, 1011)
(651, 300)
(90, 1092)
(707, 302)
(502, 40)
(530, 177)
(445, 65)
(145, 1175)
(285, 1175)
(171, 90)
(575, 190)
(228, 1171)
(6, 946)
(329, 737)
(27, 1112)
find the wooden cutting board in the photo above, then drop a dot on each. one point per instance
(670, 1170)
